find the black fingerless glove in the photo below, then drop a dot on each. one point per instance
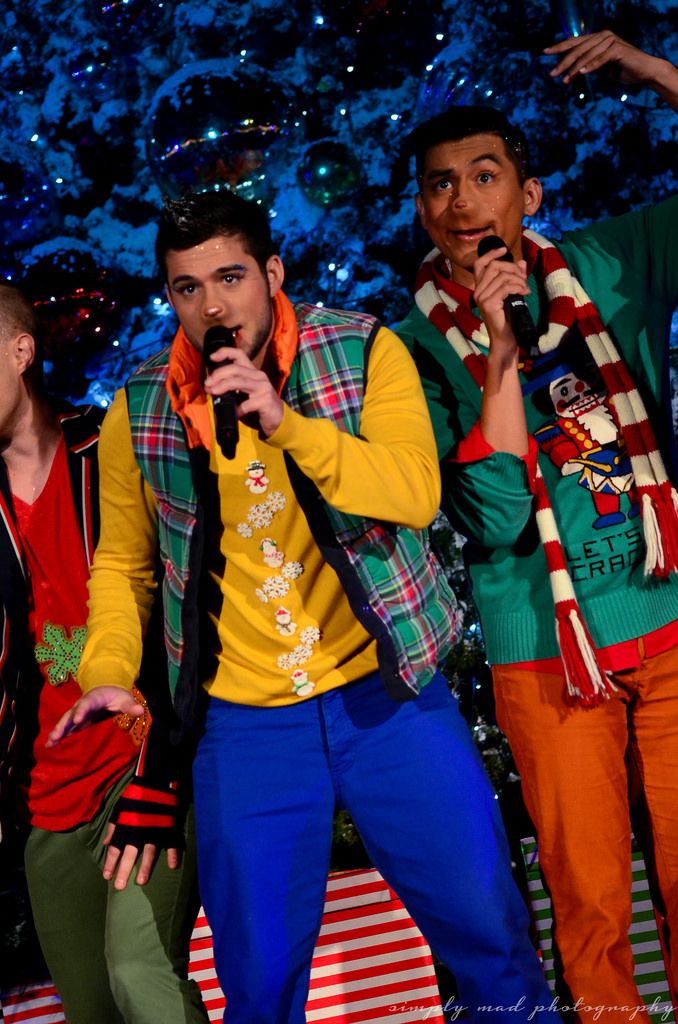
(146, 813)
(148, 810)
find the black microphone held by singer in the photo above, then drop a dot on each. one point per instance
(225, 412)
(515, 306)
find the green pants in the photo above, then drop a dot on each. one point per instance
(115, 957)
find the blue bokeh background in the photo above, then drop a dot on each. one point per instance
(106, 104)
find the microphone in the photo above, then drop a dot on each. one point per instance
(515, 306)
(225, 414)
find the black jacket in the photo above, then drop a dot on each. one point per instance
(18, 670)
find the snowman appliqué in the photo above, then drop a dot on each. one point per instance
(301, 684)
(277, 586)
(257, 481)
(273, 556)
(284, 623)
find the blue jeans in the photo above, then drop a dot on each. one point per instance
(266, 784)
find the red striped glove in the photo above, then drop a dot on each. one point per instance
(146, 814)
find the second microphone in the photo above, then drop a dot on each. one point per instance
(517, 312)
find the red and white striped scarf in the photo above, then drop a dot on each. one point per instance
(568, 304)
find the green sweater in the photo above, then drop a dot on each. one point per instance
(629, 267)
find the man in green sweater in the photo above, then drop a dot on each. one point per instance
(556, 449)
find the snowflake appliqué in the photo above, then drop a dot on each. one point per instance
(275, 586)
(276, 501)
(260, 517)
(298, 656)
(60, 654)
(292, 570)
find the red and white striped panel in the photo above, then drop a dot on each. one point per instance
(201, 968)
(370, 964)
(37, 1004)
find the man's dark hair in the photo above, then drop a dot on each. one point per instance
(18, 315)
(196, 217)
(457, 123)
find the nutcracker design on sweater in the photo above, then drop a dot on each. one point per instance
(584, 439)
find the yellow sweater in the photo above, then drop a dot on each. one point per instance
(284, 626)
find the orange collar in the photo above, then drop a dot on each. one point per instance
(185, 373)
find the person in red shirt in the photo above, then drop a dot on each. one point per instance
(96, 790)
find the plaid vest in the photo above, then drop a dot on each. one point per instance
(393, 582)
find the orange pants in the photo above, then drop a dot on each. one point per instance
(573, 767)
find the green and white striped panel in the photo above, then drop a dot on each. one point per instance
(650, 972)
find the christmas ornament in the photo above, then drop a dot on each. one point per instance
(19, 71)
(95, 68)
(329, 173)
(357, 15)
(78, 312)
(575, 17)
(28, 207)
(124, 19)
(214, 126)
(454, 79)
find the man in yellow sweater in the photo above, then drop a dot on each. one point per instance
(300, 595)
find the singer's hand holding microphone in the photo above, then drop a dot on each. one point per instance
(500, 287)
(239, 390)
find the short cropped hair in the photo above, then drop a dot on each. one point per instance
(461, 122)
(16, 312)
(18, 315)
(196, 217)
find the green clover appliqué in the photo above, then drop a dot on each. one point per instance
(60, 655)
